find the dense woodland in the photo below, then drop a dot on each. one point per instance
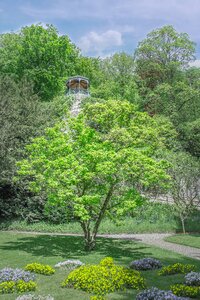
(155, 84)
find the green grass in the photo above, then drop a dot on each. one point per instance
(192, 240)
(17, 249)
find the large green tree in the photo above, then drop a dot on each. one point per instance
(98, 162)
(22, 117)
(40, 54)
(162, 54)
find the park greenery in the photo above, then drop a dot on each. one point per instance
(137, 137)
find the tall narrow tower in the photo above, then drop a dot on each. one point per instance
(78, 87)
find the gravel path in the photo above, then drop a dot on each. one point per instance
(157, 239)
(154, 239)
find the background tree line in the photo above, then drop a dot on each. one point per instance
(34, 65)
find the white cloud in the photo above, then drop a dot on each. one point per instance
(195, 63)
(97, 43)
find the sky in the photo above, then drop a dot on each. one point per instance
(103, 27)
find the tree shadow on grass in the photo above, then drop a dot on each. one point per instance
(73, 247)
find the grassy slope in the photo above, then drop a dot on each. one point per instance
(192, 240)
(16, 250)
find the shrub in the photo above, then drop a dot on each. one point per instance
(34, 297)
(103, 278)
(192, 278)
(97, 298)
(107, 262)
(70, 264)
(20, 286)
(176, 269)
(156, 294)
(146, 264)
(40, 269)
(185, 291)
(7, 287)
(9, 274)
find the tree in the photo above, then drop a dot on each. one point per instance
(96, 163)
(160, 57)
(117, 80)
(185, 189)
(22, 117)
(41, 55)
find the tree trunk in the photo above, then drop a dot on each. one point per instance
(90, 238)
(183, 224)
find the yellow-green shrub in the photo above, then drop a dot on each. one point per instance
(104, 278)
(107, 262)
(97, 298)
(177, 268)
(40, 269)
(7, 287)
(185, 290)
(20, 286)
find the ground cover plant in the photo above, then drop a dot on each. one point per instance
(156, 294)
(69, 264)
(185, 290)
(192, 278)
(104, 278)
(17, 250)
(147, 263)
(192, 240)
(40, 269)
(9, 274)
(176, 268)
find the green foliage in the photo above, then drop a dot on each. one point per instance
(7, 287)
(117, 80)
(104, 278)
(177, 268)
(160, 56)
(42, 55)
(190, 136)
(85, 166)
(185, 291)
(40, 269)
(20, 286)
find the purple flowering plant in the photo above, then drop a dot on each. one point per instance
(10, 274)
(146, 264)
(156, 294)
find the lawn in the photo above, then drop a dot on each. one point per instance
(17, 249)
(192, 240)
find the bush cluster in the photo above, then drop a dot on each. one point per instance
(40, 269)
(193, 278)
(69, 264)
(185, 290)
(9, 274)
(20, 286)
(146, 264)
(34, 297)
(103, 278)
(177, 268)
(156, 294)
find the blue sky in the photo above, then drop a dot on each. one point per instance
(102, 27)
